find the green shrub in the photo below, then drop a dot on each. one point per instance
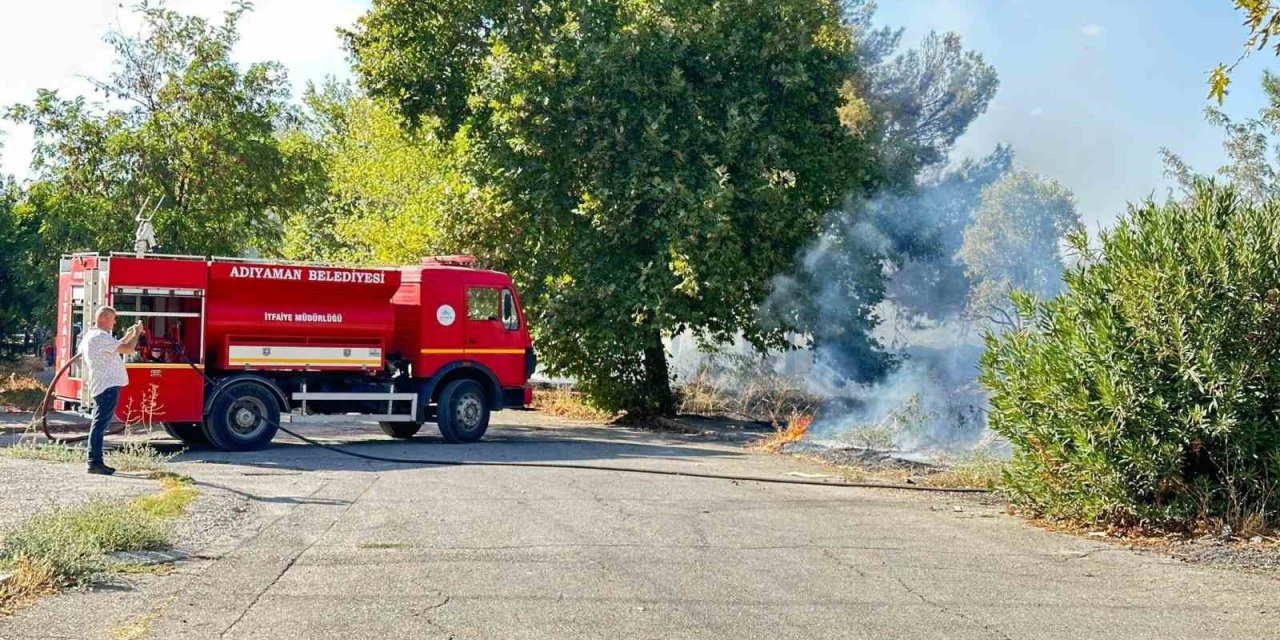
(1148, 393)
(69, 543)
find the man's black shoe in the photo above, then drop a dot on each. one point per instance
(101, 469)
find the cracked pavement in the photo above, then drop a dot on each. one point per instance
(344, 548)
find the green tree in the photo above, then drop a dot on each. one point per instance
(900, 242)
(651, 164)
(21, 308)
(923, 99)
(394, 194)
(928, 283)
(182, 122)
(1249, 145)
(1015, 243)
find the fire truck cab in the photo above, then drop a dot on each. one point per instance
(229, 345)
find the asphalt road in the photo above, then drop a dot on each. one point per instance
(341, 548)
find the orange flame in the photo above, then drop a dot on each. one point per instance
(795, 430)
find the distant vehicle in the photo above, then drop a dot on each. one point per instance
(229, 345)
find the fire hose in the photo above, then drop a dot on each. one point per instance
(44, 411)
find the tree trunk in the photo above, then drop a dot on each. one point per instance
(658, 398)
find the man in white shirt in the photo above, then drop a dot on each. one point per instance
(101, 354)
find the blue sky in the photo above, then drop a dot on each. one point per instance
(1090, 89)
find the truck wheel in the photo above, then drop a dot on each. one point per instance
(189, 433)
(402, 430)
(243, 418)
(463, 412)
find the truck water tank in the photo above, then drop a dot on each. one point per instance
(293, 316)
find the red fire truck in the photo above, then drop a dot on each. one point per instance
(440, 341)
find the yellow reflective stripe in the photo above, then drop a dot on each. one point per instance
(158, 365)
(477, 351)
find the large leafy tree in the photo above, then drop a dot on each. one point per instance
(1015, 243)
(392, 194)
(651, 163)
(20, 285)
(180, 122)
(900, 244)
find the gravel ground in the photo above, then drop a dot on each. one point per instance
(32, 486)
(1233, 555)
(213, 514)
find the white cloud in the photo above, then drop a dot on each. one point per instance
(1037, 112)
(1091, 30)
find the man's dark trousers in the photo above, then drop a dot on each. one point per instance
(104, 409)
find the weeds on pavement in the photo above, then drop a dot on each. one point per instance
(133, 456)
(67, 546)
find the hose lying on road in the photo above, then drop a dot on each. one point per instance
(44, 413)
(656, 472)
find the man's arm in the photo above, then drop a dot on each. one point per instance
(129, 343)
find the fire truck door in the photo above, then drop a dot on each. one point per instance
(492, 335)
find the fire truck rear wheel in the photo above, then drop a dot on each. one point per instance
(463, 412)
(190, 433)
(244, 417)
(402, 430)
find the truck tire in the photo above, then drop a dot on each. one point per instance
(244, 417)
(463, 412)
(189, 433)
(401, 430)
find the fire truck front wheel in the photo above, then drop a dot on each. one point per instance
(463, 412)
(244, 417)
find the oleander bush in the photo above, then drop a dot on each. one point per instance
(1148, 393)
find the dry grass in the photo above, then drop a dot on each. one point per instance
(25, 366)
(796, 428)
(975, 470)
(745, 388)
(20, 392)
(564, 402)
(31, 579)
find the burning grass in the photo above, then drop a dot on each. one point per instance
(745, 388)
(794, 430)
